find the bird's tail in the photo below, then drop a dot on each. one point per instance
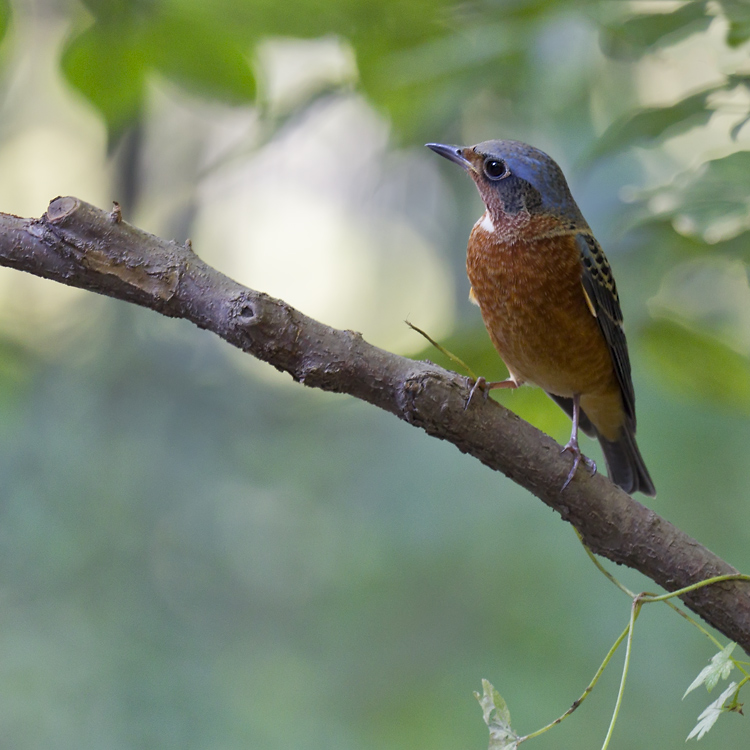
(625, 465)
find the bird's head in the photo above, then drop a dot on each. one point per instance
(514, 178)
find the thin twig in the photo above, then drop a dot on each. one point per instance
(451, 356)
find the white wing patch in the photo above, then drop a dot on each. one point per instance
(473, 297)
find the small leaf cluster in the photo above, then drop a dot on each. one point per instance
(497, 715)
(719, 668)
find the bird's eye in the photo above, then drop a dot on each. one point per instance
(495, 169)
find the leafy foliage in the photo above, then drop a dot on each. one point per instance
(418, 61)
(738, 14)
(110, 61)
(720, 668)
(653, 124)
(705, 207)
(713, 195)
(208, 48)
(631, 38)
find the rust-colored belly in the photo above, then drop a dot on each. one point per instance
(535, 311)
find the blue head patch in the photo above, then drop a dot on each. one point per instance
(534, 180)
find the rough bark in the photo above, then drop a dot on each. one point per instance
(79, 245)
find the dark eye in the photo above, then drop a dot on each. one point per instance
(495, 169)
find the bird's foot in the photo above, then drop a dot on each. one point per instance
(578, 457)
(482, 385)
(479, 384)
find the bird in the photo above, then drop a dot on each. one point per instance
(549, 301)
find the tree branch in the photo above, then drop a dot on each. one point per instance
(79, 245)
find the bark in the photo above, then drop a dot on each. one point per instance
(79, 245)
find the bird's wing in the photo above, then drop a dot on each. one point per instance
(601, 297)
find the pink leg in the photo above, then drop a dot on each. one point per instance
(482, 385)
(572, 445)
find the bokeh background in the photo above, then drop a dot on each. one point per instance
(196, 552)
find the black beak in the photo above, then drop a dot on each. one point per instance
(452, 153)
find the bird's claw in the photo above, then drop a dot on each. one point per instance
(481, 384)
(578, 457)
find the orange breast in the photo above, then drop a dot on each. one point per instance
(534, 308)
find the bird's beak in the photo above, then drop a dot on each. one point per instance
(452, 153)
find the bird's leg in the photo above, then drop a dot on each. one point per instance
(572, 445)
(486, 387)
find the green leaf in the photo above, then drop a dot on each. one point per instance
(107, 64)
(4, 17)
(679, 356)
(712, 712)
(111, 10)
(497, 718)
(631, 38)
(202, 57)
(719, 668)
(449, 54)
(738, 15)
(652, 124)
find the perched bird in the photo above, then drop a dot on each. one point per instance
(549, 301)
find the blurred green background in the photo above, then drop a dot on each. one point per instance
(198, 553)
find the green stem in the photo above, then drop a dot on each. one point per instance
(700, 627)
(666, 597)
(638, 601)
(604, 571)
(585, 693)
(634, 612)
(739, 664)
(695, 586)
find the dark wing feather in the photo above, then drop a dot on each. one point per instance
(599, 286)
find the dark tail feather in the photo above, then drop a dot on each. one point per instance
(625, 466)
